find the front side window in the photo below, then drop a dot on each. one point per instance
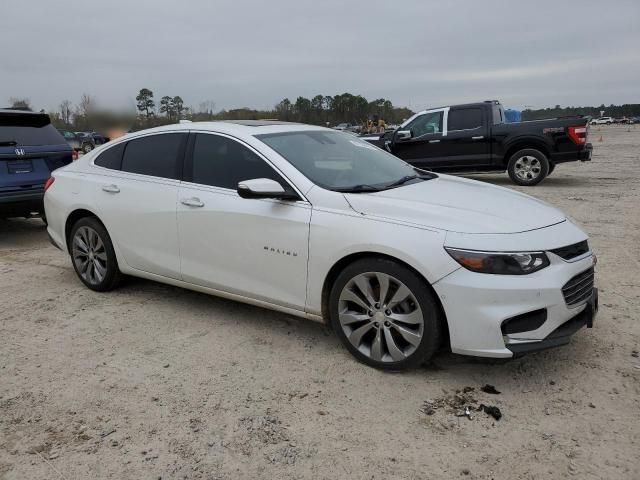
(222, 162)
(465, 119)
(425, 124)
(155, 155)
(339, 161)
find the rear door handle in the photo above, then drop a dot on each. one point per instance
(478, 137)
(192, 202)
(110, 188)
(434, 141)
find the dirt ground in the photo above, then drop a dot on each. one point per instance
(152, 381)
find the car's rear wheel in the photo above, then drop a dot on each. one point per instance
(385, 314)
(528, 167)
(87, 148)
(93, 256)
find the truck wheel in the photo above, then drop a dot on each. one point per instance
(528, 167)
(552, 167)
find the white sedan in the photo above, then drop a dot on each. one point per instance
(320, 224)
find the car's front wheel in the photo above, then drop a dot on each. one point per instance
(87, 147)
(93, 256)
(385, 314)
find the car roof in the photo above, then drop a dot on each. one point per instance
(234, 127)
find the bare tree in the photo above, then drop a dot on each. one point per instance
(87, 105)
(20, 102)
(65, 111)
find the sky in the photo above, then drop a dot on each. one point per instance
(251, 53)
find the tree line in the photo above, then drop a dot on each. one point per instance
(616, 111)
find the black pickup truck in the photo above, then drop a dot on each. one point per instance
(475, 138)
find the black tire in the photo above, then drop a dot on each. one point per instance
(552, 167)
(87, 147)
(111, 276)
(518, 176)
(412, 354)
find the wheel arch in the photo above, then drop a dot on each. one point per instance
(347, 260)
(72, 218)
(524, 143)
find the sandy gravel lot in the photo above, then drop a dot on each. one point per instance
(152, 381)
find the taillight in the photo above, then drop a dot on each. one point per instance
(74, 155)
(578, 134)
(48, 183)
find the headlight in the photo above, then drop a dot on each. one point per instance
(500, 263)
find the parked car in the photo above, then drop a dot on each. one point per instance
(323, 225)
(79, 143)
(602, 121)
(343, 126)
(475, 138)
(30, 149)
(98, 138)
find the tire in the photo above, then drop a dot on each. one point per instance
(87, 147)
(528, 167)
(552, 167)
(91, 247)
(406, 325)
(43, 217)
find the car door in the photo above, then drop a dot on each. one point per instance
(135, 192)
(467, 141)
(256, 248)
(423, 148)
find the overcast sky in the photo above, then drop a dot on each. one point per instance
(253, 53)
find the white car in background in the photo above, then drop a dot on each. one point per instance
(321, 224)
(602, 121)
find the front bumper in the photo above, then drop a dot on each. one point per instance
(477, 304)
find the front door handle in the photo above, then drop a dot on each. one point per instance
(434, 141)
(480, 137)
(192, 202)
(110, 188)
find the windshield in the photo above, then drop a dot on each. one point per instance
(341, 162)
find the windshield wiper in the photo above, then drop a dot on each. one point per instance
(362, 188)
(406, 179)
(8, 143)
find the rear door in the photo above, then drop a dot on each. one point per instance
(424, 148)
(135, 190)
(256, 248)
(466, 144)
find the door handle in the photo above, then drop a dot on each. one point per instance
(192, 202)
(110, 188)
(434, 141)
(480, 137)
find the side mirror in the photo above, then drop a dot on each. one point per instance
(264, 188)
(403, 135)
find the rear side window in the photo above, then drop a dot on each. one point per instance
(155, 155)
(28, 129)
(221, 162)
(465, 119)
(111, 158)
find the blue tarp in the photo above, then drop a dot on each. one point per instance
(513, 115)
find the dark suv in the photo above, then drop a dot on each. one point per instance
(79, 142)
(30, 149)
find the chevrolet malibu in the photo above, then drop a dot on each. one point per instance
(320, 224)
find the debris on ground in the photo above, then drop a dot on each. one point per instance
(490, 389)
(491, 410)
(634, 353)
(462, 403)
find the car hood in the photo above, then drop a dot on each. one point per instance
(458, 205)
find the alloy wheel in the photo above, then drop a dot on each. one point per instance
(527, 168)
(89, 255)
(380, 317)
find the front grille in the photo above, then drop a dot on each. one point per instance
(579, 288)
(572, 251)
